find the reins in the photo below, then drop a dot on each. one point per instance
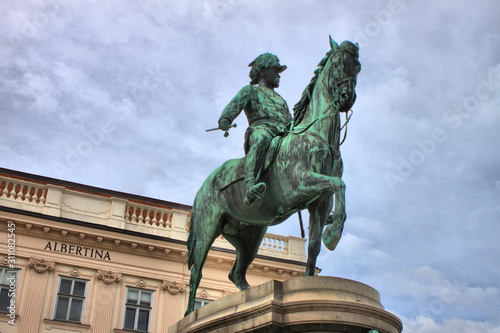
(347, 118)
(323, 117)
(328, 114)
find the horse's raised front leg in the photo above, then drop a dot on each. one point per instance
(312, 184)
(332, 233)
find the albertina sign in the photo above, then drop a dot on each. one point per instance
(77, 250)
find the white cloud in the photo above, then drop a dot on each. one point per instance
(423, 324)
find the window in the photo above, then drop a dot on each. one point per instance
(8, 282)
(199, 302)
(70, 299)
(138, 309)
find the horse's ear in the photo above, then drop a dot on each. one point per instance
(333, 44)
(357, 45)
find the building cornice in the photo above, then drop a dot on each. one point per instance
(27, 177)
(61, 232)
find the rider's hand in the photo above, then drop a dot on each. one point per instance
(224, 124)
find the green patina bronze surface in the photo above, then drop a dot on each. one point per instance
(288, 165)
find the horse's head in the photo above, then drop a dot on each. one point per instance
(336, 76)
(341, 67)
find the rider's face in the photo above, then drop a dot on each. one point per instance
(271, 77)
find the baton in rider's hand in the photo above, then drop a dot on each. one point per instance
(226, 132)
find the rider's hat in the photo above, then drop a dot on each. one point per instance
(266, 60)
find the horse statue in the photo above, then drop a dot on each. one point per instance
(303, 169)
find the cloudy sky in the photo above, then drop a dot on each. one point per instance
(118, 94)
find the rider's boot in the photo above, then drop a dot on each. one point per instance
(254, 191)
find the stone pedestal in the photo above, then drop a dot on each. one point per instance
(305, 304)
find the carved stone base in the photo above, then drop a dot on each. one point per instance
(305, 304)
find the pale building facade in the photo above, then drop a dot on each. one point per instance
(84, 259)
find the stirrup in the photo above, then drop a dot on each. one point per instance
(255, 192)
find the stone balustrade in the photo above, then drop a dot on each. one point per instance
(124, 213)
(275, 242)
(140, 214)
(22, 192)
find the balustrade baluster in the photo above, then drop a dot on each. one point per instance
(134, 215)
(12, 193)
(19, 192)
(140, 216)
(127, 213)
(22, 192)
(161, 221)
(27, 197)
(34, 197)
(42, 196)
(5, 190)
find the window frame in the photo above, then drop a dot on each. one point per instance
(203, 301)
(6, 270)
(136, 308)
(71, 297)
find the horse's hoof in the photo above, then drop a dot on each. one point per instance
(243, 287)
(331, 235)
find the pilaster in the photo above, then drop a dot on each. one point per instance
(117, 214)
(104, 300)
(30, 319)
(53, 200)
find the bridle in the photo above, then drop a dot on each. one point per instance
(332, 108)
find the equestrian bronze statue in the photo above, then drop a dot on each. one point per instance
(290, 165)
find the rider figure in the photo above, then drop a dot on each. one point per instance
(267, 114)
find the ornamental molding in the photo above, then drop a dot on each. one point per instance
(108, 277)
(203, 294)
(4, 261)
(141, 283)
(40, 265)
(75, 272)
(172, 287)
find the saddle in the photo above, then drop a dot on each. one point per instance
(234, 170)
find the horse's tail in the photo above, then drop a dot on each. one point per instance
(197, 234)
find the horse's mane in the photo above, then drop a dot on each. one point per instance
(299, 110)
